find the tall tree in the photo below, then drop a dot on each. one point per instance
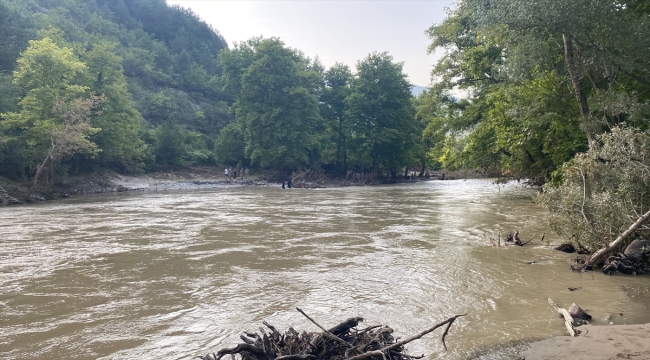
(70, 136)
(119, 121)
(600, 42)
(381, 113)
(277, 107)
(337, 88)
(48, 73)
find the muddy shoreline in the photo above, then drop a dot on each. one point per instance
(12, 193)
(596, 343)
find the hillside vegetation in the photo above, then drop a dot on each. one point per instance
(166, 91)
(154, 65)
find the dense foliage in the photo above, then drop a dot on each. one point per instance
(154, 65)
(290, 112)
(603, 191)
(172, 93)
(554, 91)
(522, 89)
(543, 80)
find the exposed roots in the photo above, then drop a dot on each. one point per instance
(342, 342)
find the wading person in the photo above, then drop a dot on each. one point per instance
(246, 172)
(225, 173)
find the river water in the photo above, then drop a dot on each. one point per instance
(173, 275)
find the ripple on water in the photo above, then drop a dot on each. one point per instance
(173, 275)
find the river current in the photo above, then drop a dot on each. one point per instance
(174, 275)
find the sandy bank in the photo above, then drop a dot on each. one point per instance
(596, 343)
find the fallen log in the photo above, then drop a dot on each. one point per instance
(568, 320)
(599, 256)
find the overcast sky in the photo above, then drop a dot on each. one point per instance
(345, 31)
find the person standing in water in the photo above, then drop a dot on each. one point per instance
(225, 173)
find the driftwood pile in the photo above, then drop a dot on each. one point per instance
(632, 261)
(342, 342)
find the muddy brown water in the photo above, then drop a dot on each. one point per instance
(173, 275)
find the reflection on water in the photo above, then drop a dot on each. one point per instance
(175, 275)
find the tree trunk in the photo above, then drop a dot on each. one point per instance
(338, 145)
(577, 90)
(601, 254)
(39, 170)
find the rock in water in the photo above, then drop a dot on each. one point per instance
(577, 313)
(638, 249)
(567, 248)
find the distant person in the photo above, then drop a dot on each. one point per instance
(246, 172)
(225, 173)
(234, 174)
(289, 183)
(229, 172)
(283, 183)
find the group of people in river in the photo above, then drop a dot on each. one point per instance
(232, 173)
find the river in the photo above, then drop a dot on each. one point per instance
(173, 275)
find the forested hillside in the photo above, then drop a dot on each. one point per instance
(136, 85)
(155, 66)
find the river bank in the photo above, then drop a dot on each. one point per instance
(191, 178)
(595, 343)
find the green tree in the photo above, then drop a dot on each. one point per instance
(48, 74)
(337, 88)
(381, 114)
(601, 47)
(119, 121)
(15, 31)
(229, 147)
(170, 148)
(70, 137)
(278, 112)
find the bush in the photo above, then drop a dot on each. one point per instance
(600, 193)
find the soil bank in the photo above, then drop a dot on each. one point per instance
(595, 343)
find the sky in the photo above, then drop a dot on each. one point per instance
(337, 30)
